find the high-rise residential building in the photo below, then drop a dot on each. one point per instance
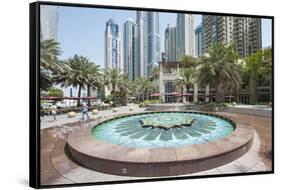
(153, 41)
(170, 43)
(255, 36)
(216, 29)
(185, 35)
(241, 26)
(142, 42)
(225, 29)
(131, 66)
(243, 32)
(209, 31)
(198, 41)
(49, 22)
(112, 45)
(247, 35)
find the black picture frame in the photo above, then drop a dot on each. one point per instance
(34, 92)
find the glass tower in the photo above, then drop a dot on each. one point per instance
(112, 45)
(185, 35)
(153, 39)
(142, 42)
(131, 68)
(170, 43)
(198, 41)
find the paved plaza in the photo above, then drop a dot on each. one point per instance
(57, 168)
(48, 121)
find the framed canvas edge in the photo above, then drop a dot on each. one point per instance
(34, 93)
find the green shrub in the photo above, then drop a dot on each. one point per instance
(147, 102)
(108, 99)
(55, 92)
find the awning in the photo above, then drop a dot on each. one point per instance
(66, 98)
(172, 94)
(51, 98)
(155, 95)
(186, 94)
(229, 96)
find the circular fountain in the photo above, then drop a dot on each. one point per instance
(159, 143)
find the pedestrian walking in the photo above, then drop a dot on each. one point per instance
(54, 111)
(85, 111)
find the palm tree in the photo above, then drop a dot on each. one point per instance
(185, 80)
(267, 68)
(188, 61)
(45, 80)
(144, 86)
(125, 87)
(94, 79)
(258, 66)
(80, 74)
(49, 51)
(219, 69)
(118, 83)
(113, 77)
(155, 73)
(187, 74)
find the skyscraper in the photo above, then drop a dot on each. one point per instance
(148, 41)
(198, 41)
(49, 22)
(153, 41)
(142, 42)
(185, 35)
(112, 45)
(131, 67)
(171, 43)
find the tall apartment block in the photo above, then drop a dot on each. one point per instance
(243, 32)
(171, 43)
(247, 35)
(185, 35)
(216, 29)
(112, 45)
(131, 66)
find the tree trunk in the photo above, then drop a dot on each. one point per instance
(195, 93)
(253, 90)
(270, 90)
(236, 93)
(89, 94)
(207, 93)
(79, 95)
(183, 91)
(219, 93)
(146, 94)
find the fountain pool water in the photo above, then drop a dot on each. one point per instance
(163, 129)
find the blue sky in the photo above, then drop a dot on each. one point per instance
(81, 30)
